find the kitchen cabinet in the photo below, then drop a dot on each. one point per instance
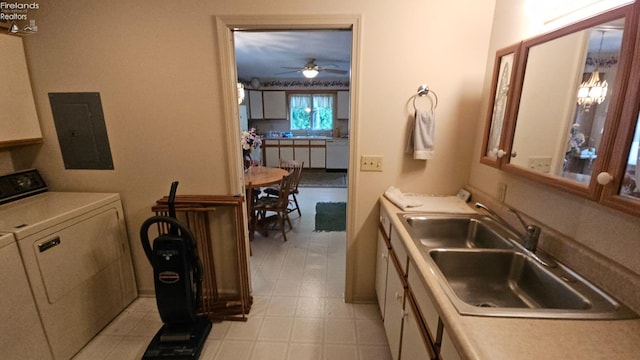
(447, 350)
(275, 105)
(18, 118)
(412, 324)
(416, 343)
(317, 154)
(256, 111)
(301, 151)
(382, 267)
(312, 152)
(286, 150)
(343, 108)
(394, 307)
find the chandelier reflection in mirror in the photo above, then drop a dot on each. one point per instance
(593, 91)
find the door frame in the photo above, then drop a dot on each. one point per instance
(225, 25)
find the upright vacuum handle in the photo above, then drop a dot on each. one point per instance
(172, 206)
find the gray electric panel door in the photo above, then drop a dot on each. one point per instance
(81, 129)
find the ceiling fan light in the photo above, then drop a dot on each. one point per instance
(310, 73)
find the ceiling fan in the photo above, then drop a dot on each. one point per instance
(311, 69)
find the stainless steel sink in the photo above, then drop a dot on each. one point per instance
(456, 231)
(484, 272)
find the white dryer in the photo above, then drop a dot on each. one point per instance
(76, 255)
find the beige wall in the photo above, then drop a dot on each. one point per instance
(156, 66)
(609, 232)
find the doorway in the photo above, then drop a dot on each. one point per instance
(226, 27)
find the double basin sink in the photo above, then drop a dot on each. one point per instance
(484, 271)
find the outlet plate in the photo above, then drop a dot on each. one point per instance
(539, 163)
(370, 163)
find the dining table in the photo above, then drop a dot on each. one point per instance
(255, 178)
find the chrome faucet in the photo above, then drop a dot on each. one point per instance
(529, 237)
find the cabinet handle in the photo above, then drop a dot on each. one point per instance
(385, 256)
(398, 296)
(49, 244)
(604, 178)
(514, 154)
(501, 153)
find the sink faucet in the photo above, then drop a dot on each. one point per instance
(531, 234)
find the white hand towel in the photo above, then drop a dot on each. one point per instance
(399, 199)
(422, 138)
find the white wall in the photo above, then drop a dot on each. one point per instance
(609, 232)
(156, 66)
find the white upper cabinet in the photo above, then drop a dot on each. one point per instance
(275, 105)
(18, 117)
(255, 104)
(343, 105)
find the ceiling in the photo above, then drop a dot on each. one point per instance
(268, 54)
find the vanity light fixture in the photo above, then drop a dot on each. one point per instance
(593, 91)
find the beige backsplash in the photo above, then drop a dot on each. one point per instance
(609, 275)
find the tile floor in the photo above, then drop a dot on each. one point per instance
(298, 310)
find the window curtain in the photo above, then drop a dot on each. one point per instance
(320, 103)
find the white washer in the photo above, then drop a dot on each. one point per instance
(76, 255)
(21, 329)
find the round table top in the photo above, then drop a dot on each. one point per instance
(258, 176)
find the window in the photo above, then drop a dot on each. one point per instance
(311, 111)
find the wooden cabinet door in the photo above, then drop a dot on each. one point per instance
(18, 117)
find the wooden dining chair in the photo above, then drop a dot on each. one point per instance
(294, 166)
(279, 206)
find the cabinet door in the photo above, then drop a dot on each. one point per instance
(275, 105)
(426, 307)
(271, 156)
(18, 117)
(394, 311)
(382, 264)
(301, 151)
(343, 105)
(415, 342)
(255, 104)
(286, 150)
(317, 156)
(447, 350)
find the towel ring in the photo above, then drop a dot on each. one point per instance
(423, 90)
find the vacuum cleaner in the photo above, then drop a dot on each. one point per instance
(177, 273)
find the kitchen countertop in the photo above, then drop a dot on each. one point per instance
(477, 337)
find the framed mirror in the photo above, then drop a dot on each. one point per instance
(623, 170)
(567, 97)
(496, 124)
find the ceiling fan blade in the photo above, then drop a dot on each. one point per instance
(289, 72)
(335, 71)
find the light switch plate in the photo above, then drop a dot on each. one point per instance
(370, 163)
